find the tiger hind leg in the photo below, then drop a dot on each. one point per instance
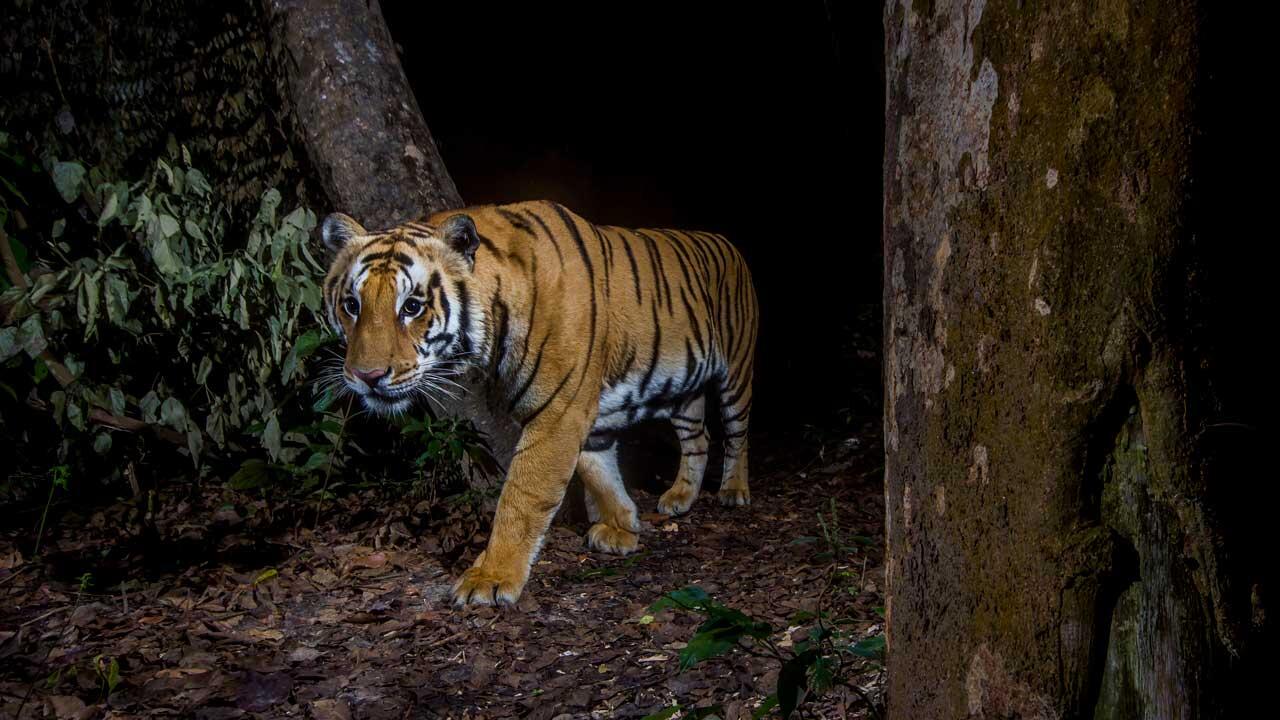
(616, 526)
(691, 428)
(735, 413)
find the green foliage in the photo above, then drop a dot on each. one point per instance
(150, 274)
(155, 314)
(811, 666)
(448, 446)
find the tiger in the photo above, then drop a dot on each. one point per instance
(579, 331)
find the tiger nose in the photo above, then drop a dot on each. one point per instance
(370, 377)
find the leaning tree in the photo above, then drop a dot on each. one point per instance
(1069, 531)
(366, 137)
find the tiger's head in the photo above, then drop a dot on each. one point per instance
(399, 299)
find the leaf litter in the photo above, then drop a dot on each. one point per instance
(351, 619)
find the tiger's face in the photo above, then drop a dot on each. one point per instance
(399, 299)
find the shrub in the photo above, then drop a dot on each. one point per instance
(137, 309)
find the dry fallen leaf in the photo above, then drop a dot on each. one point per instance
(330, 710)
(10, 560)
(67, 707)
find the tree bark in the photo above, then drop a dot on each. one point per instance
(1060, 543)
(364, 132)
(366, 137)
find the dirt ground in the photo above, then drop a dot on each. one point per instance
(350, 620)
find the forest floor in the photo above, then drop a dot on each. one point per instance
(351, 620)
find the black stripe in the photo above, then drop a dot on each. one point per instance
(572, 227)
(657, 347)
(741, 413)
(538, 411)
(660, 272)
(604, 253)
(680, 257)
(550, 235)
(488, 244)
(635, 270)
(503, 314)
(516, 221)
(524, 388)
(693, 322)
(464, 314)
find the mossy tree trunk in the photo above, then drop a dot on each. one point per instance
(1062, 542)
(368, 141)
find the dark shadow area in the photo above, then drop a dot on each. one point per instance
(739, 119)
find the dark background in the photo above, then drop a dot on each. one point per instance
(762, 121)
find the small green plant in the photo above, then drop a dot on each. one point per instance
(108, 671)
(447, 445)
(59, 475)
(810, 668)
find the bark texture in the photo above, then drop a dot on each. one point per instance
(1062, 539)
(364, 132)
(368, 142)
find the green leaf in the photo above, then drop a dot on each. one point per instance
(271, 437)
(31, 336)
(194, 230)
(113, 675)
(663, 714)
(163, 257)
(197, 182)
(822, 676)
(688, 598)
(109, 210)
(303, 347)
(102, 443)
(9, 344)
(75, 414)
(316, 461)
(251, 475)
(168, 225)
(115, 397)
(872, 647)
(265, 575)
(705, 713)
(173, 414)
(709, 642)
(67, 177)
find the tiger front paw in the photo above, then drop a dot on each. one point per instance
(678, 499)
(485, 585)
(609, 539)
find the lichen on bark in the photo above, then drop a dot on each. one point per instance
(1037, 320)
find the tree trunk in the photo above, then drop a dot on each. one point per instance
(364, 132)
(1060, 543)
(367, 139)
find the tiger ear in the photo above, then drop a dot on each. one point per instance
(338, 230)
(459, 232)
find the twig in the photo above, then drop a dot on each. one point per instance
(444, 641)
(16, 573)
(37, 619)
